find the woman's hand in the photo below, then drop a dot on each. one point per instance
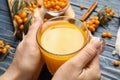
(84, 66)
(27, 60)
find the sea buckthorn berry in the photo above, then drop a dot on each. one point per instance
(63, 4)
(19, 21)
(89, 23)
(55, 4)
(116, 63)
(108, 10)
(104, 34)
(32, 9)
(52, 3)
(1, 42)
(19, 14)
(97, 22)
(4, 51)
(95, 26)
(91, 18)
(57, 7)
(109, 35)
(91, 28)
(7, 46)
(97, 18)
(23, 15)
(25, 20)
(25, 8)
(82, 7)
(21, 27)
(34, 6)
(16, 17)
(111, 13)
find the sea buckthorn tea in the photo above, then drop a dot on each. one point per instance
(60, 39)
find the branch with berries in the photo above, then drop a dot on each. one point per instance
(22, 12)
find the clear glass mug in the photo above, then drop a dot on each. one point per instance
(61, 38)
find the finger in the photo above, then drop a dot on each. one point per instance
(94, 67)
(94, 64)
(34, 27)
(87, 54)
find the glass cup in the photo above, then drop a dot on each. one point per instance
(55, 7)
(61, 38)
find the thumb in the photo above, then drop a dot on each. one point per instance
(34, 27)
(88, 53)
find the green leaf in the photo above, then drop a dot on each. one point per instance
(29, 12)
(15, 7)
(20, 4)
(2, 56)
(27, 24)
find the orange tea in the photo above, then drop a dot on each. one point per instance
(59, 42)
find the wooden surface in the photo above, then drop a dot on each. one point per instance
(109, 72)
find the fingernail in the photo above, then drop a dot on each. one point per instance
(96, 42)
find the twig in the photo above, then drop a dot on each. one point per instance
(89, 11)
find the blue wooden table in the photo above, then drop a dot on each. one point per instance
(108, 70)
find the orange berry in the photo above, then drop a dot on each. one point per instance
(91, 18)
(104, 34)
(109, 35)
(25, 8)
(89, 23)
(34, 6)
(1, 42)
(111, 13)
(116, 63)
(63, 5)
(85, 23)
(97, 18)
(21, 27)
(23, 15)
(57, 7)
(97, 22)
(31, 9)
(52, 3)
(95, 26)
(4, 51)
(25, 20)
(19, 14)
(108, 10)
(7, 46)
(91, 28)
(16, 17)
(19, 21)
(82, 7)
